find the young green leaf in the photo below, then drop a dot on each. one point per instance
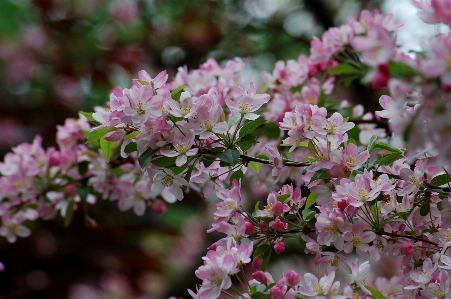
(130, 148)
(251, 126)
(145, 157)
(97, 134)
(107, 148)
(375, 293)
(175, 94)
(370, 146)
(389, 159)
(255, 166)
(311, 200)
(441, 179)
(343, 69)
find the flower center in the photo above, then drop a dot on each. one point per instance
(413, 180)
(167, 180)
(207, 125)
(185, 108)
(244, 107)
(139, 108)
(181, 148)
(363, 194)
(350, 161)
(318, 289)
(330, 128)
(216, 280)
(356, 241)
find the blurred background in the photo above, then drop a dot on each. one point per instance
(61, 56)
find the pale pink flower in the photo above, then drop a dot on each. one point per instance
(247, 102)
(358, 238)
(182, 148)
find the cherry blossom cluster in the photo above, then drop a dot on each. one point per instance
(336, 180)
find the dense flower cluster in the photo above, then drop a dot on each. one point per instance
(199, 131)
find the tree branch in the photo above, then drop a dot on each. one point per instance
(381, 233)
(268, 162)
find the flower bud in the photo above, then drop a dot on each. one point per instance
(279, 247)
(159, 207)
(260, 276)
(275, 293)
(293, 278)
(250, 228)
(257, 262)
(279, 225)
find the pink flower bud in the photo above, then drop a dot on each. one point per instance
(212, 246)
(257, 262)
(250, 228)
(279, 225)
(277, 208)
(260, 276)
(407, 249)
(279, 247)
(275, 293)
(263, 227)
(343, 204)
(115, 135)
(159, 207)
(293, 278)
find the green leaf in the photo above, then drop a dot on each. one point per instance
(251, 126)
(247, 142)
(375, 293)
(83, 167)
(107, 148)
(389, 159)
(130, 148)
(308, 214)
(164, 162)
(132, 135)
(237, 175)
(97, 134)
(260, 250)
(266, 258)
(352, 140)
(311, 200)
(425, 208)
(302, 243)
(397, 69)
(258, 295)
(370, 146)
(271, 131)
(89, 117)
(384, 146)
(343, 69)
(230, 156)
(145, 157)
(441, 179)
(320, 174)
(179, 170)
(255, 166)
(283, 197)
(175, 94)
(69, 213)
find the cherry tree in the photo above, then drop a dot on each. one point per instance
(338, 179)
